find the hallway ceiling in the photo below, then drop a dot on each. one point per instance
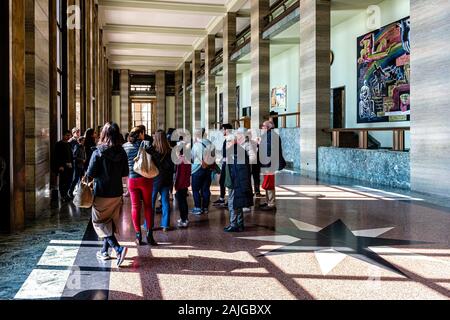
(146, 35)
(152, 35)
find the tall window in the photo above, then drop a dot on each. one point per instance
(59, 32)
(61, 63)
(142, 114)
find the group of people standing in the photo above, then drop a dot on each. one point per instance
(181, 164)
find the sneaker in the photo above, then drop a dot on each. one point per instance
(259, 195)
(196, 211)
(165, 230)
(219, 202)
(232, 229)
(205, 211)
(182, 224)
(121, 255)
(103, 256)
(246, 210)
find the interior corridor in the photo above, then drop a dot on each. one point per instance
(328, 240)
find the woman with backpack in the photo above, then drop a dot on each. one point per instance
(163, 183)
(139, 187)
(108, 165)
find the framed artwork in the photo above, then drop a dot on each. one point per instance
(384, 73)
(279, 98)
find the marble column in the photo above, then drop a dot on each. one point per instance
(210, 83)
(160, 100)
(229, 68)
(5, 126)
(37, 92)
(315, 32)
(88, 64)
(71, 74)
(196, 91)
(95, 68)
(76, 54)
(124, 101)
(178, 99)
(12, 115)
(430, 67)
(187, 123)
(53, 102)
(260, 62)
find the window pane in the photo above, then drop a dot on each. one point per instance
(58, 46)
(58, 11)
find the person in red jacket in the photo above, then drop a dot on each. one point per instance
(182, 184)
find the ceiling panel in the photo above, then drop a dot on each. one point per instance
(147, 52)
(149, 38)
(159, 19)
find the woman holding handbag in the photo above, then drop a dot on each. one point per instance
(108, 165)
(163, 183)
(140, 187)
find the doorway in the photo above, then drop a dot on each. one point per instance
(337, 108)
(143, 113)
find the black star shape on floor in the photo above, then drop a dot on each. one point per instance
(339, 237)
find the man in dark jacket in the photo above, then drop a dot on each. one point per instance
(221, 202)
(79, 159)
(271, 161)
(238, 179)
(63, 165)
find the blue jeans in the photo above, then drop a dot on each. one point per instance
(201, 183)
(236, 215)
(164, 191)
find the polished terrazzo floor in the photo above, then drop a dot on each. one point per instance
(327, 240)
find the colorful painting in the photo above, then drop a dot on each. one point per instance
(384, 73)
(278, 98)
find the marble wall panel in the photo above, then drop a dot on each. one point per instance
(37, 108)
(375, 166)
(430, 69)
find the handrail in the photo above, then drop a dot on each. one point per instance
(368, 129)
(288, 7)
(283, 118)
(398, 136)
(242, 39)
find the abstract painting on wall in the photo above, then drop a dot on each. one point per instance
(278, 98)
(384, 73)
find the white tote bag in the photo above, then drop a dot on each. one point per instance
(144, 165)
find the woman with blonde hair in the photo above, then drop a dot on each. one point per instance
(163, 183)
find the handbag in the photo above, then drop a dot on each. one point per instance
(84, 194)
(144, 165)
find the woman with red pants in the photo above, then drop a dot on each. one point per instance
(140, 188)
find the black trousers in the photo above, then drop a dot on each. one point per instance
(223, 190)
(182, 203)
(77, 175)
(65, 180)
(256, 173)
